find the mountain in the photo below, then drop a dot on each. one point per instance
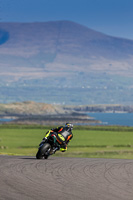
(64, 62)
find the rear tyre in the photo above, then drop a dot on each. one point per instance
(43, 151)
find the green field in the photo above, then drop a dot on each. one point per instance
(94, 142)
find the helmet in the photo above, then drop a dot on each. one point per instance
(69, 125)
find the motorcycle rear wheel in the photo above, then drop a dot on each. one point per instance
(43, 151)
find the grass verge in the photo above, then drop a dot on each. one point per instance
(92, 142)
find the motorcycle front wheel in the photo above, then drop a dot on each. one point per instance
(43, 151)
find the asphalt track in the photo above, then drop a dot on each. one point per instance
(26, 178)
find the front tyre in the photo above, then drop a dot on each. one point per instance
(43, 151)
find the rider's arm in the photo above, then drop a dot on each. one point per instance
(69, 138)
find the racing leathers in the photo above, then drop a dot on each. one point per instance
(63, 136)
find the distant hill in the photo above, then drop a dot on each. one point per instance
(37, 56)
(30, 108)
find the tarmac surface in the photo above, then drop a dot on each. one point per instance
(58, 178)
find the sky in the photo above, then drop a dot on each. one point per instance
(112, 17)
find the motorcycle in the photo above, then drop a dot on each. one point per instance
(47, 147)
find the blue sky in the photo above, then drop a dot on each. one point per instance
(112, 17)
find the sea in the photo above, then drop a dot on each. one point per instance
(5, 120)
(122, 119)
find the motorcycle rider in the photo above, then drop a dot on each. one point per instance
(63, 135)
